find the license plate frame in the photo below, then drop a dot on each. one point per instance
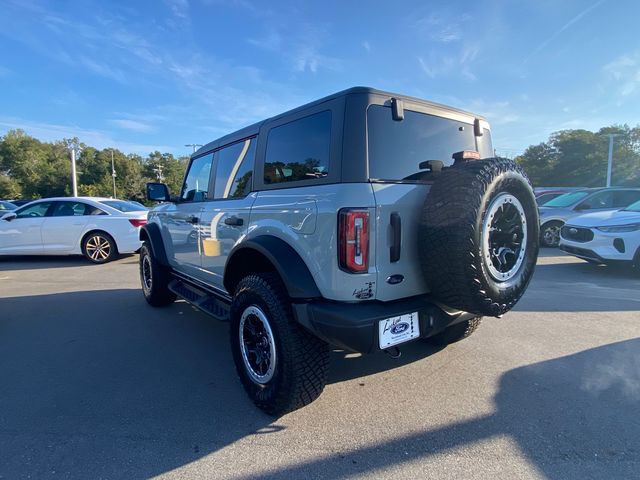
(393, 331)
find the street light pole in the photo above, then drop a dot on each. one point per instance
(74, 181)
(113, 175)
(610, 161)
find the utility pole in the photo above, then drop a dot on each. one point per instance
(113, 174)
(74, 181)
(195, 146)
(610, 162)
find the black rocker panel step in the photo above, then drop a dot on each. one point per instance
(200, 299)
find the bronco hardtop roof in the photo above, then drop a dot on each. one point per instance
(254, 129)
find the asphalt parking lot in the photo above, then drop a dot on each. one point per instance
(96, 384)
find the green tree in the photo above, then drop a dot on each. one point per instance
(578, 158)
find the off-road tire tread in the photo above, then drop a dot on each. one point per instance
(302, 359)
(160, 295)
(456, 332)
(447, 229)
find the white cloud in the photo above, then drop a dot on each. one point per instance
(564, 27)
(180, 8)
(133, 125)
(625, 72)
(442, 27)
(366, 46)
(103, 69)
(447, 63)
(272, 41)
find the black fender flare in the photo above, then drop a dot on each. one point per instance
(151, 232)
(293, 271)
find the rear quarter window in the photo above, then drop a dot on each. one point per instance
(299, 150)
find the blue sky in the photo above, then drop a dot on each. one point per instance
(142, 76)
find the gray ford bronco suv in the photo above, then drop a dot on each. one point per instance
(360, 221)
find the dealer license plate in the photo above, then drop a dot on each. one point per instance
(397, 330)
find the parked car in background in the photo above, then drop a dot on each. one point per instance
(545, 197)
(605, 237)
(98, 228)
(19, 203)
(555, 213)
(125, 205)
(138, 203)
(7, 207)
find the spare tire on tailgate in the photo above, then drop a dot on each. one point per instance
(478, 236)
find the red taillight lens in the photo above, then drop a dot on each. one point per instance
(137, 222)
(353, 238)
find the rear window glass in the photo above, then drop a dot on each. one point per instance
(396, 149)
(124, 206)
(299, 150)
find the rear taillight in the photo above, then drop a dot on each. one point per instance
(138, 222)
(353, 238)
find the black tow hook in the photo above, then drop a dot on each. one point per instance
(393, 352)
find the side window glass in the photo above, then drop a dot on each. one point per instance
(624, 198)
(234, 169)
(299, 150)
(196, 184)
(34, 211)
(68, 209)
(599, 200)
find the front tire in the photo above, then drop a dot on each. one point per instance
(281, 366)
(154, 279)
(550, 234)
(99, 247)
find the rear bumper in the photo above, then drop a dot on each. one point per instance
(354, 326)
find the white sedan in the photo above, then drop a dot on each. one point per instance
(98, 228)
(604, 237)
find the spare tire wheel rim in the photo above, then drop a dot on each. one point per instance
(257, 345)
(504, 237)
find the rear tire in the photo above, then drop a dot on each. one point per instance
(281, 366)
(154, 279)
(456, 332)
(99, 247)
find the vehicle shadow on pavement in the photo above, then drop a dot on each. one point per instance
(573, 417)
(98, 385)
(347, 366)
(35, 262)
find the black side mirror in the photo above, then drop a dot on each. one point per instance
(9, 216)
(583, 206)
(158, 192)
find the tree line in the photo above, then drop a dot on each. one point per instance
(578, 158)
(30, 168)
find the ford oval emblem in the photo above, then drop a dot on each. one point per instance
(573, 231)
(399, 328)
